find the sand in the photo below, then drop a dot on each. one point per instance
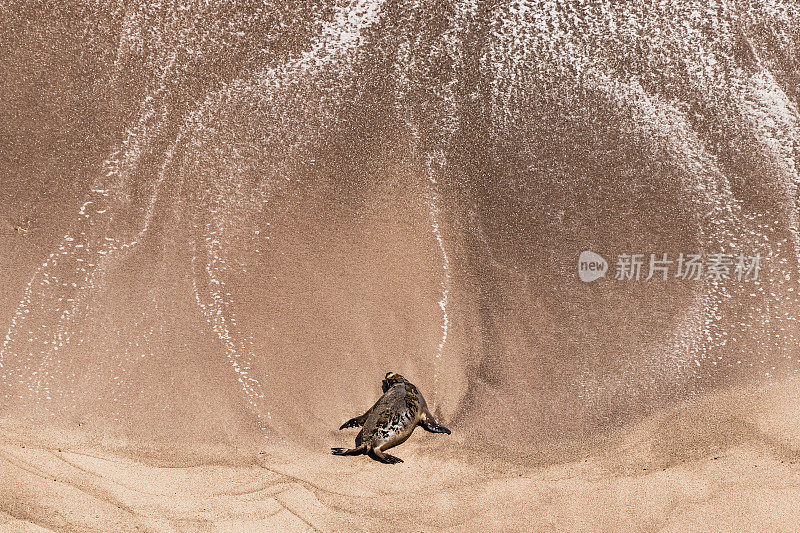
(222, 223)
(709, 465)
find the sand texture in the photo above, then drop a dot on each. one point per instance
(222, 223)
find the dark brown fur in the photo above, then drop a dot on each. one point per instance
(391, 420)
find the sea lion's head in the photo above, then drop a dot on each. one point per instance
(391, 379)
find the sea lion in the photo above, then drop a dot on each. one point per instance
(391, 420)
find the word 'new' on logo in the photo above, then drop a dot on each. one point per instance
(591, 266)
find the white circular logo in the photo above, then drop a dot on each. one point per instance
(591, 266)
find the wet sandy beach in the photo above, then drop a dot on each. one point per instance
(222, 223)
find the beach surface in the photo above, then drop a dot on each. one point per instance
(728, 462)
(222, 223)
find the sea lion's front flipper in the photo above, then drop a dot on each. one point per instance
(428, 423)
(433, 427)
(357, 421)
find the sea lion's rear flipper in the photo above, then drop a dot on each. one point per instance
(385, 457)
(357, 421)
(353, 451)
(428, 423)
